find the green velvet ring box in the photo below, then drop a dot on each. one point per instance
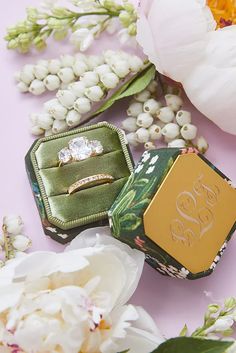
(64, 216)
(177, 208)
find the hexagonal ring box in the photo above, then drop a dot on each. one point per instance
(177, 208)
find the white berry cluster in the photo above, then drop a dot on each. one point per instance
(13, 242)
(149, 121)
(69, 107)
(50, 75)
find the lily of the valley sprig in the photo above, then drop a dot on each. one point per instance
(218, 321)
(13, 242)
(86, 21)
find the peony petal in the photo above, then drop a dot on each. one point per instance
(131, 260)
(10, 295)
(40, 264)
(173, 49)
(212, 92)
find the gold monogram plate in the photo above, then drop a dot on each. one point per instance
(192, 213)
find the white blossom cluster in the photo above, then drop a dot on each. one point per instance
(149, 121)
(13, 242)
(51, 75)
(69, 107)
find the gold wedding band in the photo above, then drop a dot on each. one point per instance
(90, 181)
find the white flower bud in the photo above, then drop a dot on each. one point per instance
(142, 96)
(90, 78)
(37, 87)
(121, 68)
(135, 109)
(149, 146)
(189, 131)
(78, 88)
(67, 60)
(54, 66)
(48, 132)
(155, 132)
(58, 111)
(73, 118)
(94, 93)
(166, 115)
(82, 105)
(21, 242)
(135, 63)
(142, 135)
(202, 144)
(144, 120)
(94, 61)
(36, 130)
(27, 74)
(177, 143)
(18, 254)
(66, 98)
(152, 87)
(79, 67)
(171, 131)
(174, 102)
(40, 72)
(66, 75)
(110, 80)
(23, 87)
(13, 224)
(52, 82)
(222, 324)
(132, 139)
(129, 124)
(102, 69)
(183, 117)
(152, 106)
(59, 126)
(50, 104)
(44, 121)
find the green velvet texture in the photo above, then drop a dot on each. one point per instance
(56, 180)
(47, 152)
(85, 202)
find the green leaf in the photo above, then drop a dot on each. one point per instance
(141, 182)
(192, 345)
(135, 85)
(130, 222)
(184, 331)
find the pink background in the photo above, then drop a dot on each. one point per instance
(171, 302)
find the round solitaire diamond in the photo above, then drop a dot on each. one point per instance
(96, 146)
(64, 155)
(80, 148)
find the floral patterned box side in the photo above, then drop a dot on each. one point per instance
(64, 216)
(173, 209)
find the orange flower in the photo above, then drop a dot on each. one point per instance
(224, 11)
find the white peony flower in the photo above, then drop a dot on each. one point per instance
(172, 33)
(75, 301)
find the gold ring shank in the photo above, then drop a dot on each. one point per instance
(90, 181)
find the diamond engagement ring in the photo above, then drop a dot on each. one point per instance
(90, 181)
(79, 149)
